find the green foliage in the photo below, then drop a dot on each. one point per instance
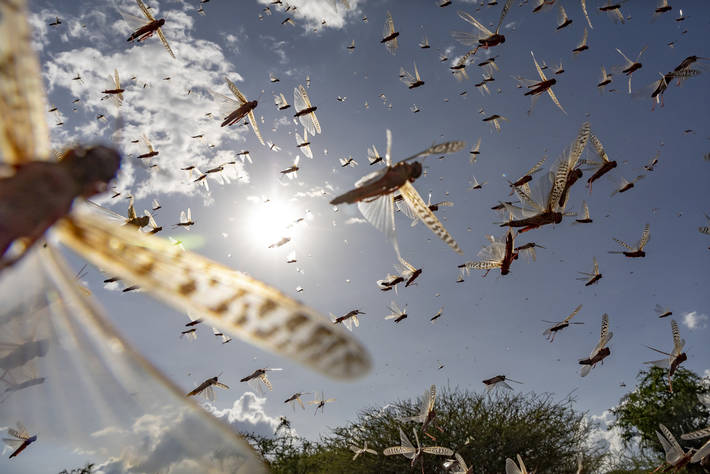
(484, 429)
(650, 403)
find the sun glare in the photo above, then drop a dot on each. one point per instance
(273, 221)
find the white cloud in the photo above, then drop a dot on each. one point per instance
(356, 220)
(158, 441)
(313, 12)
(695, 320)
(608, 440)
(247, 415)
(169, 112)
(174, 443)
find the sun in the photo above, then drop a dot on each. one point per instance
(272, 221)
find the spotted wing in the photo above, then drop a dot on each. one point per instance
(89, 368)
(604, 336)
(165, 42)
(438, 450)
(537, 166)
(416, 202)
(431, 399)
(145, 10)
(468, 18)
(408, 452)
(599, 148)
(439, 149)
(237, 93)
(255, 127)
(231, 301)
(699, 434)
(266, 382)
(23, 129)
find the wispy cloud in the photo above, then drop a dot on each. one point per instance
(311, 13)
(356, 220)
(695, 320)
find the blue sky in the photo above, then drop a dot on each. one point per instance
(489, 325)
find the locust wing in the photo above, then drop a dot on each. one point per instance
(224, 298)
(417, 204)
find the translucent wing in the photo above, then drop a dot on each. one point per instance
(670, 445)
(468, 18)
(503, 12)
(586, 15)
(227, 105)
(237, 93)
(134, 22)
(404, 440)
(438, 450)
(223, 298)
(89, 368)
(537, 166)
(576, 310)
(406, 76)
(644, 237)
(431, 399)
(439, 149)
(23, 129)
(511, 467)
(165, 42)
(13, 443)
(555, 100)
(255, 127)
(380, 213)
(145, 10)
(416, 202)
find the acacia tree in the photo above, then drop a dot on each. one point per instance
(484, 429)
(640, 411)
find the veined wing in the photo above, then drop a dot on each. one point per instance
(226, 299)
(255, 127)
(89, 367)
(145, 10)
(165, 42)
(134, 22)
(265, 380)
(438, 450)
(13, 443)
(406, 77)
(576, 310)
(227, 105)
(623, 244)
(370, 178)
(439, 149)
(380, 213)
(537, 66)
(416, 202)
(537, 166)
(552, 95)
(468, 18)
(503, 12)
(23, 129)
(237, 93)
(644, 237)
(389, 26)
(678, 343)
(670, 445)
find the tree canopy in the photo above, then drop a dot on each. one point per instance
(484, 429)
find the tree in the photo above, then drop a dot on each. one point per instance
(639, 413)
(484, 429)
